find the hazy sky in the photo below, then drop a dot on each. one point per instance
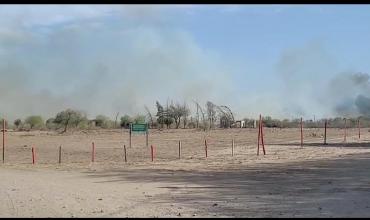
(279, 60)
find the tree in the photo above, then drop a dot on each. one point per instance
(125, 121)
(211, 112)
(186, 111)
(102, 121)
(202, 112)
(175, 112)
(17, 123)
(69, 117)
(168, 121)
(160, 114)
(50, 123)
(35, 121)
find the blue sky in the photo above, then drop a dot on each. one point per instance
(269, 59)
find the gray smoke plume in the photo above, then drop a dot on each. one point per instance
(363, 105)
(349, 89)
(312, 84)
(103, 68)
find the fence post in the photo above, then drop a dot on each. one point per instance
(152, 152)
(60, 154)
(301, 132)
(93, 152)
(345, 130)
(4, 130)
(179, 149)
(359, 130)
(33, 155)
(124, 148)
(259, 136)
(263, 143)
(232, 147)
(326, 122)
(130, 134)
(205, 143)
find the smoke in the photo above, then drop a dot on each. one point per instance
(304, 73)
(349, 91)
(314, 85)
(110, 59)
(105, 68)
(363, 105)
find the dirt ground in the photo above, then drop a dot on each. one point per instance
(315, 180)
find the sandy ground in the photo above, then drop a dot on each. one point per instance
(314, 181)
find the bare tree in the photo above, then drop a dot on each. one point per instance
(177, 111)
(211, 113)
(226, 116)
(160, 114)
(201, 110)
(186, 114)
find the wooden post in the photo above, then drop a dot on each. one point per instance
(152, 152)
(130, 133)
(345, 129)
(301, 132)
(60, 154)
(232, 148)
(33, 155)
(263, 144)
(205, 144)
(359, 130)
(93, 152)
(147, 135)
(124, 149)
(4, 130)
(326, 122)
(179, 149)
(259, 136)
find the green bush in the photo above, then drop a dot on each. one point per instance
(35, 121)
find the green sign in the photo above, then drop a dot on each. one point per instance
(139, 127)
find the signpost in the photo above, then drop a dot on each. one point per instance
(139, 128)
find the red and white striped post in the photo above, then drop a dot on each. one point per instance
(93, 152)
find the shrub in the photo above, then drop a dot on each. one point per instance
(35, 121)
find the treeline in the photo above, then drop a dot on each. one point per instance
(71, 119)
(337, 122)
(173, 115)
